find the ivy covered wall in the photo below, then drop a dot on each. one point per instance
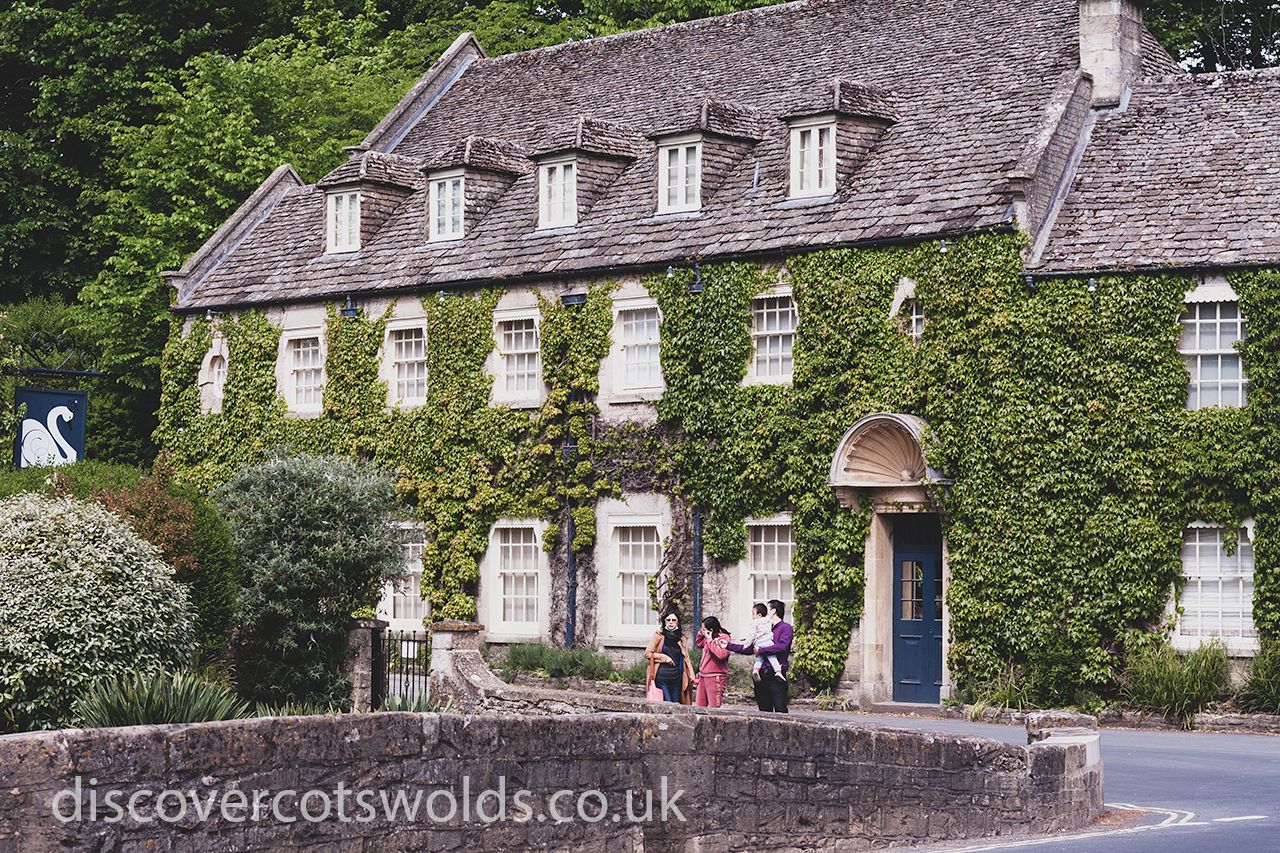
(1059, 412)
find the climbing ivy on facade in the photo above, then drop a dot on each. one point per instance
(1058, 410)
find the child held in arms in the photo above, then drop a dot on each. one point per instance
(762, 635)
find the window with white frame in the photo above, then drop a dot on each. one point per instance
(214, 381)
(638, 332)
(518, 563)
(1209, 333)
(1217, 596)
(406, 596)
(913, 319)
(521, 364)
(343, 231)
(408, 364)
(306, 372)
(446, 206)
(769, 550)
(813, 158)
(639, 556)
(679, 175)
(557, 194)
(773, 334)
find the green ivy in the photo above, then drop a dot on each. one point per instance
(1059, 412)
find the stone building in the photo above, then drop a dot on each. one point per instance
(1063, 129)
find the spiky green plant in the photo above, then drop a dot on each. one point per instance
(1261, 690)
(296, 709)
(1158, 678)
(140, 698)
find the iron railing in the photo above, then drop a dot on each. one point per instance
(405, 666)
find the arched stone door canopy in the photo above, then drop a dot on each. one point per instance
(882, 452)
(880, 457)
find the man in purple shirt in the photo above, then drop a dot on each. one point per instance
(772, 688)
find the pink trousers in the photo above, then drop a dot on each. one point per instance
(710, 691)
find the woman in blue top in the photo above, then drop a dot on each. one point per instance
(669, 665)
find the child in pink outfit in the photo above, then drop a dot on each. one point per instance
(713, 669)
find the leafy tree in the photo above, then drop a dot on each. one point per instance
(222, 127)
(47, 332)
(75, 71)
(317, 540)
(1218, 35)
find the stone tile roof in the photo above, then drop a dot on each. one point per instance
(1187, 176)
(968, 84)
(480, 152)
(375, 167)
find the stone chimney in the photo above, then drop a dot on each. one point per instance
(1111, 46)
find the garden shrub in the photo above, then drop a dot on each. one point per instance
(634, 673)
(1158, 678)
(316, 538)
(78, 480)
(140, 698)
(82, 597)
(195, 540)
(185, 525)
(556, 662)
(1261, 690)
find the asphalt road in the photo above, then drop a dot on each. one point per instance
(1194, 792)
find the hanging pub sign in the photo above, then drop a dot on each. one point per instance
(52, 428)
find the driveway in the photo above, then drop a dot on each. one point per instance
(1169, 792)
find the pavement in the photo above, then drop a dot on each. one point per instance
(1166, 792)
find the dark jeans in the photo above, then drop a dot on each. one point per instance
(670, 689)
(771, 693)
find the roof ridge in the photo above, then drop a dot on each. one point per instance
(1268, 73)
(709, 20)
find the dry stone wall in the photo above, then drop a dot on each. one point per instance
(736, 782)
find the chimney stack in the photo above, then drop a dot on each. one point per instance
(1111, 47)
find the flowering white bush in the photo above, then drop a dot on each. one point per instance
(81, 597)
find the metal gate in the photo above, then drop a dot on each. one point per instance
(405, 667)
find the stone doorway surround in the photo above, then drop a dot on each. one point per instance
(879, 462)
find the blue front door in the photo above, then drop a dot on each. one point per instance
(917, 608)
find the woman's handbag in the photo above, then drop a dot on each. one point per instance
(654, 693)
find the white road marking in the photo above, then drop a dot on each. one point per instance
(1173, 817)
(1245, 817)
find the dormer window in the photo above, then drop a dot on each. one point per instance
(343, 222)
(446, 206)
(679, 175)
(813, 157)
(557, 194)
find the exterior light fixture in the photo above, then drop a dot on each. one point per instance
(671, 272)
(350, 311)
(1093, 285)
(1030, 281)
(209, 314)
(695, 286)
(944, 246)
(572, 300)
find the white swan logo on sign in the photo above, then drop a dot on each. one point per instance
(52, 430)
